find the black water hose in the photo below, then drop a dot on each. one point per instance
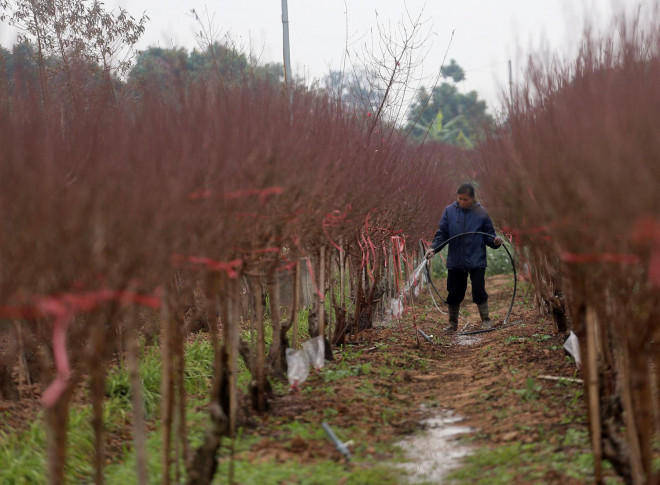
(515, 279)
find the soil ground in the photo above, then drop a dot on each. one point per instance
(391, 379)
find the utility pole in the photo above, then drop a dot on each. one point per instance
(287, 56)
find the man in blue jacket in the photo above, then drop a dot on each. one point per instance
(467, 254)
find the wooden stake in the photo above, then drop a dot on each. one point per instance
(296, 305)
(321, 313)
(331, 291)
(593, 395)
(342, 276)
(635, 452)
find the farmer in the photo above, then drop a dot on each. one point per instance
(467, 254)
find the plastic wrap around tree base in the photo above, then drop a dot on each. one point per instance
(315, 349)
(572, 346)
(297, 362)
(396, 307)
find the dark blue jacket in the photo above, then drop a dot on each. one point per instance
(467, 252)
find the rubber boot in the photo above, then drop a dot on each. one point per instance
(483, 313)
(453, 318)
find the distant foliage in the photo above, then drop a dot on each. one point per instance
(446, 115)
(175, 65)
(75, 33)
(356, 89)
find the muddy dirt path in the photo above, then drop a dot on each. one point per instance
(491, 380)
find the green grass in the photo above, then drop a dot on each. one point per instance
(527, 463)
(123, 472)
(303, 328)
(23, 455)
(21, 463)
(531, 390)
(343, 369)
(362, 469)
(273, 472)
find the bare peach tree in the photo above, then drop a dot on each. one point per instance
(588, 128)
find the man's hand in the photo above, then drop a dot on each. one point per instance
(497, 241)
(430, 253)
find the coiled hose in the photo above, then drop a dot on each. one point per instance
(515, 279)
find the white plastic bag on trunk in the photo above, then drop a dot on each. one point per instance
(297, 362)
(396, 307)
(572, 346)
(315, 349)
(415, 280)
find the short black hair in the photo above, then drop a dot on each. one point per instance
(467, 189)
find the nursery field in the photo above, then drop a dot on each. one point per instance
(376, 394)
(179, 235)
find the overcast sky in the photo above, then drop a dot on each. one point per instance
(487, 33)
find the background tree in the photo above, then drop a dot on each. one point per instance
(355, 89)
(454, 71)
(167, 68)
(76, 33)
(446, 115)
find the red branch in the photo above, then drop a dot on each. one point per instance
(195, 262)
(579, 258)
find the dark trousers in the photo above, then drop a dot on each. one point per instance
(457, 284)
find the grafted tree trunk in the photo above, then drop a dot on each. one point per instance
(293, 319)
(99, 336)
(259, 367)
(296, 304)
(167, 389)
(57, 419)
(340, 309)
(137, 399)
(8, 388)
(204, 462)
(178, 354)
(275, 365)
(321, 297)
(364, 297)
(232, 337)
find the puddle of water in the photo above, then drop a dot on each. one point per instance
(435, 451)
(467, 339)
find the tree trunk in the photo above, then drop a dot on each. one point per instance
(259, 369)
(57, 420)
(321, 300)
(204, 462)
(137, 399)
(275, 366)
(296, 305)
(98, 381)
(167, 389)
